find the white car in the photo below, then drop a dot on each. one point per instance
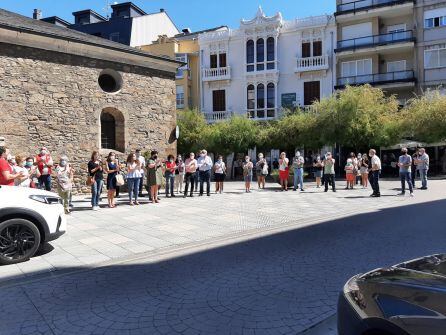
(28, 218)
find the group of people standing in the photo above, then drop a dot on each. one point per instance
(38, 171)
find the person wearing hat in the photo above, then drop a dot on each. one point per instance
(45, 164)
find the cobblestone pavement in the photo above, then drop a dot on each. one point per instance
(261, 263)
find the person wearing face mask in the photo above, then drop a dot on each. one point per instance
(247, 173)
(133, 176)
(284, 171)
(23, 179)
(95, 170)
(318, 170)
(142, 160)
(33, 172)
(261, 171)
(7, 175)
(64, 179)
(375, 171)
(179, 174)
(45, 164)
(298, 168)
(152, 166)
(112, 169)
(405, 166)
(169, 174)
(329, 172)
(219, 174)
(204, 167)
(191, 171)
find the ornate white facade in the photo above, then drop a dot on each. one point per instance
(265, 64)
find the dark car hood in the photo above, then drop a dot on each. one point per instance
(428, 272)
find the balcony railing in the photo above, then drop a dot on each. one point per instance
(212, 117)
(377, 78)
(375, 40)
(263, 113)
(218, 73)
(315, 63)
(360, 5)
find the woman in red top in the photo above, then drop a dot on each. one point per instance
(171, 166)
(6, 171)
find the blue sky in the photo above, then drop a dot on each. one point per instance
(195, 14)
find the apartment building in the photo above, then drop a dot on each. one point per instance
(397, 45)
(430, 16)
(265, 65)
(184, 48)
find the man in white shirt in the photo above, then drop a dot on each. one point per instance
(142, 160)
(204, 170)
(375, 171)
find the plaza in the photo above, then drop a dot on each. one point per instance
(268, 262)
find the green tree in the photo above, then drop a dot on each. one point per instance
(424, 118)
(235, 135)
(194, 131)
(358, 117)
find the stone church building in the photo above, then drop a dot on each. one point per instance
(74, 93)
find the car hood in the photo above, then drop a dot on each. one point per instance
(429, 271)
(24, 191)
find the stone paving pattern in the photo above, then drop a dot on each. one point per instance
(279, 284)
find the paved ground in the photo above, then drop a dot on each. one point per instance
(261, 263)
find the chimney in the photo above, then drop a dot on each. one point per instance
(37, 14)
(162, 10)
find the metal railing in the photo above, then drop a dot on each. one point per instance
(312, 63)
(367, 4)
(378, 78)
(218, 73)
(212, 117)
(380, 39)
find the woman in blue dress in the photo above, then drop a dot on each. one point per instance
(112, 169)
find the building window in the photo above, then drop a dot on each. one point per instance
(435, 22)
(114, 37)
(396, 66)
(180, 97)
(357, 68)
(222, 59)
(312, 92)
(110, 81)
(435, 56)
(112, 129)
(181, 58)
(219, 101)
(317, 48)
(306, 49)
(260, 54)
(250, 56)
(270, 53)
(214, 61)
(270, 100)
(251, 100)
(260, 101)
(108, 131)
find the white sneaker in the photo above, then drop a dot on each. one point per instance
(95, 208)
(412, 194)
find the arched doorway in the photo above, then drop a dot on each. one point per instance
(112, 129)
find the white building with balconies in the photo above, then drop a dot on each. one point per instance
(266, 65)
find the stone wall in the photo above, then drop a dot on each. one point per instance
(54, 100)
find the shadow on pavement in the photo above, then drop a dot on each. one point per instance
(279, 284)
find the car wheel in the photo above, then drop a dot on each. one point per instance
(19, 240)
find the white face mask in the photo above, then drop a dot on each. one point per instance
(298, 154)
(202, 155)
(9, 157)
(260, 157)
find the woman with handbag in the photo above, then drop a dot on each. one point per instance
(261, 171)
(112, 169)
(133, 177)
(95, 179)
